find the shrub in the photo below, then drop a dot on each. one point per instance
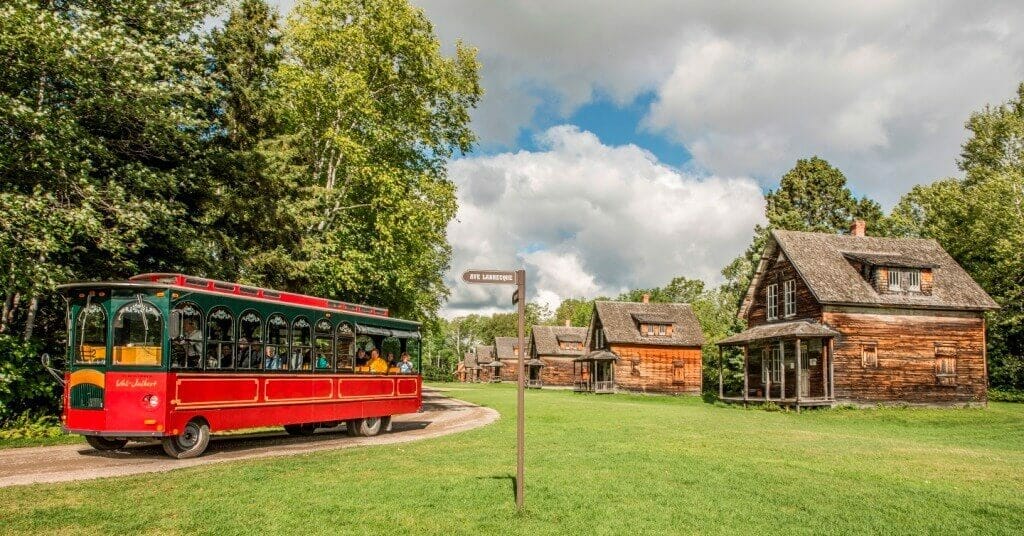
(709, 397)
(1005, 395)
(29, 426)
(25, 386)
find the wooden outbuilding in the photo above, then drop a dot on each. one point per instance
(862, 320)
(552, 351)
(505, 351)
(641, 347)
(484, 360)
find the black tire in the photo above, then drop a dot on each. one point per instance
(300, 429)
(352, 427)
(191, 443)
(386, 424)
(105, 443)
(370, 426)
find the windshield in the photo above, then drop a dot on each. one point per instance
(138, 331)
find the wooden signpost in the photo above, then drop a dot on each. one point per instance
(517, 278)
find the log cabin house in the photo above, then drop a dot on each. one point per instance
(484, 360)
(505, 352)
(641, 347)
(552, 351)
(861, 320)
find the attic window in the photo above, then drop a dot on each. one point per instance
(904, 279)
(655, 330)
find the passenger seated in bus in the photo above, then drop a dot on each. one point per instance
(405, 366)
(195, 346)
(244, 353)
(226, 356)
(273, 361)
(360, 357)
(376, 363)
(321, 362)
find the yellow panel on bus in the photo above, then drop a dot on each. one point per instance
(91, 353)
(137, 355)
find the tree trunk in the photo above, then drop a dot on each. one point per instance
(30, 318)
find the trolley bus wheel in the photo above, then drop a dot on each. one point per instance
(300, 429)
(191, 443)
(352, 427)
(105, 443)
(369, 426)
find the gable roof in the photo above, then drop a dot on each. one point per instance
(620, 326)
(545, 339)
(470, 360)
(504, 347)
(484, 353)
(821, 259)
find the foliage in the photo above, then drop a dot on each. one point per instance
(1001, 395)
(612, 464)
(979, 220)
(577, 311)
(24, 385)
(29, 426)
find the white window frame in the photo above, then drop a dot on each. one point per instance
(774, 364)
(789, 297)
(894, 281)
(772, 301)
(913, 278)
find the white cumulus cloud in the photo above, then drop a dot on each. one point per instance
(587, 219)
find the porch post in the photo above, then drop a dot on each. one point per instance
(825, 358)
(766, 375)
(746, 373)
(782, 374)
(721, 369)
(799, 384)
(831, 369)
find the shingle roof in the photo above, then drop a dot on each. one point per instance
(484, 353)
(505, 347)
(545, 339)
(620, 327)
(887, 259)
(470, 360)
(821, 260)
(796, 328)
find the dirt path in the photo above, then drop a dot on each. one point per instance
(440, 416)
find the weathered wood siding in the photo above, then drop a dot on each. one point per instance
(655, 368)
(906, 347)
(778, 272)
(557, 371)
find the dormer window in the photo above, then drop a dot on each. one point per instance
(904, 279)
(654, 330)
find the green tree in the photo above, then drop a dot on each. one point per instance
(372, 111)
(577, 311)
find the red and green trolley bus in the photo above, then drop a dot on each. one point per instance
(177, 357)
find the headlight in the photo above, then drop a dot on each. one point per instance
(151, 400)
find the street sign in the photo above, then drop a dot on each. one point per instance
(492, 277)
(518, 278)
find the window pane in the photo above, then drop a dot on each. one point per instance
(187, 343)
(345, 340)
(301, 356)
(91, 330)
(276, 350)
(138, 331)
(250, 335)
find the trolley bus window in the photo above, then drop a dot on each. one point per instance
(324, 346)
(301, 356)
(220, 348)
(250, 339)
(277, 343)
(138, 330)
(345, 341)
(92, 335)
(186, 335)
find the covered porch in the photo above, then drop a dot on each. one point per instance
(595, 372)
(495, 367)
(788, 363)
(534, 379)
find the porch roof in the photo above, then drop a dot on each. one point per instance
(787, 330)
(598, 355)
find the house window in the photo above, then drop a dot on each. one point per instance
(648, 329)
(894, 280)
(774, 362)
(789, 297)
(913, 278)
(869, 355)
(678, 373)
(661, 329)
(945, 364)
(773, 301)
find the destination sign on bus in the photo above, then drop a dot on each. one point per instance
(494, 277)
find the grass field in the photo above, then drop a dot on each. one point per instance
(595, 464)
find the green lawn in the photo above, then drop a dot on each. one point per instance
(604, 464)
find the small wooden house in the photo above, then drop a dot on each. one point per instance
(484, 361)
(863, 320)
(552, 351)
(643, 347)
(505, 349)
(470, 368)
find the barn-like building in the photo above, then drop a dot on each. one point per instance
(641, 347)
(552, 352)
(863, 320)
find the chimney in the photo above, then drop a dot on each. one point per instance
(858, 228)
(647, 298)
(567, 323)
